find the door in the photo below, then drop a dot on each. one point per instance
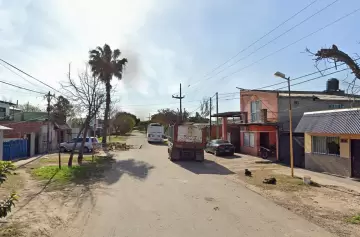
(28, 137)
(355, 158)
(264, 140)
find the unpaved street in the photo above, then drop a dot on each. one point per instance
(147, 195)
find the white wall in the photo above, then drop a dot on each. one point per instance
(7, 108)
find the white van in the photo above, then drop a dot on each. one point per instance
(155, 132)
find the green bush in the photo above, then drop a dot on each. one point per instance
(5, 205)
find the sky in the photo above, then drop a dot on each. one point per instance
(168, 42)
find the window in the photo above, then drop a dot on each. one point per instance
(249, 139)
(2, 112)
(336, 106)
(255, 108)
(326, 145)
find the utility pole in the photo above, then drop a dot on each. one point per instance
(180, 97)
(210, 118)
(217, 117)
(149, 117)
(48, 109)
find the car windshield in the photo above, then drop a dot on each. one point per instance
(220, 142)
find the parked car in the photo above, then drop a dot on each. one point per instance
(90, 144)
(220, 147)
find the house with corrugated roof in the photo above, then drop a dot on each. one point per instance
(332, 141)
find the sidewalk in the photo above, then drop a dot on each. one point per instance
(241, 162)
(20, 163)
(324, 179)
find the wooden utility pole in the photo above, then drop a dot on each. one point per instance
(217, 117)
(48, 109)
(210, 118)
(180, 97)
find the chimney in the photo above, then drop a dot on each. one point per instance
(263, 115)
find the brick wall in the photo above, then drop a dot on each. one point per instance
(21, 128)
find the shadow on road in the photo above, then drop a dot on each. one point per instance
(157, 144)
(235, 156)
(134, 168)
(206, 167)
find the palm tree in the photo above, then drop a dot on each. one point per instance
(105, 64)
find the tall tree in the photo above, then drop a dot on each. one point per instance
(88, 96)
(62, 109)
(105, 64)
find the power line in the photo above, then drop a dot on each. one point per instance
(20, 87)
(314, 78)
(262, 37)
(277, 37)
(29, 75)
(312, 33)
(18, 75)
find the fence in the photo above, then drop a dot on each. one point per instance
(15, 149)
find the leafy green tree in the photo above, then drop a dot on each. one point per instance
(123, 123)
(105, 64)
(5, 205)
(62, 109)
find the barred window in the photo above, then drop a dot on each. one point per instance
(249, 139)
(326, 145)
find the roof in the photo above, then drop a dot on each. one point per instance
(339, 121)
(320, 96)
(62, 126)
(7, 102)
(4, 128)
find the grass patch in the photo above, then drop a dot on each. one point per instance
(354, 220)
(283, 182)
(88, 171)
(54, 158)
(11, 230)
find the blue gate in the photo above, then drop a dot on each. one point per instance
(15, 149)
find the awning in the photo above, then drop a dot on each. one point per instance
(228, 114)
(4, 128)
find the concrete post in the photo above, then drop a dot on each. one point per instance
(224, 128)
(1, 144)
(32, 144)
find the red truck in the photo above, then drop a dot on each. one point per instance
(186, 142)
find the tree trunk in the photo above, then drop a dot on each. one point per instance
(107, 110)
(81, 150)
(74, 146)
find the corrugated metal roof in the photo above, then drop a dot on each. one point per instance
(320, 96)
(342, 121)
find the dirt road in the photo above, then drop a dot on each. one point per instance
(147, 195)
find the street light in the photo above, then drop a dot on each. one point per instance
(282, 75)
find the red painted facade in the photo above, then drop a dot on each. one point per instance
(268, 101)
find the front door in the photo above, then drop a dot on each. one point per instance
(355, 158)
(264, 139)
